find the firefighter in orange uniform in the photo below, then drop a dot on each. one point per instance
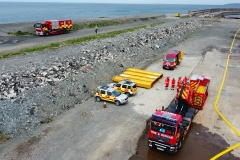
(167, 83)
(179, 82)
(173, 84)
(185, 80)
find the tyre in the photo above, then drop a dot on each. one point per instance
(98, 99)
(189, 115)
(47, 33)
(117, 103)
(179, 146)
(66, 31)
(128, 94)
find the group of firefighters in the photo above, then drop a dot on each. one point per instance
(173, 82)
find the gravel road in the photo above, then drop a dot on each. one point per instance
(88, 131)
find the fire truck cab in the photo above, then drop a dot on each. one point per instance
(172, 59)
(166, 131)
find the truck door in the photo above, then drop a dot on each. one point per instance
(177, 58)
(124, 88)
(103, 93)
(110, 96)
(118, 87)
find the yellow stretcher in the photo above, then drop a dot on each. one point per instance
(158, 74)
(142, 78)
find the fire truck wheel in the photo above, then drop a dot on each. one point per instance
(179, 145)
(98, 99)
(117, 103)
(66, 31)
(47, 34)
(128, 94)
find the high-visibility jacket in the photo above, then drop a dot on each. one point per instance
(173, 83)
(167, 82)
(185, 79)
(179, 82)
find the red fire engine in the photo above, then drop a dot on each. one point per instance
(167, 129)
(51, 27)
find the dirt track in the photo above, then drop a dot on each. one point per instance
(72, 136)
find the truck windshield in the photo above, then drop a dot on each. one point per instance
(38, 25)
(116, 93)
(163, 128)
(170, 59)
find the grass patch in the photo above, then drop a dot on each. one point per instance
(185, 16)
(33, 49)
(21, 33)
(101, 36)
(101, 23)
(156, 24)
(214, 20)
(47, 120)
(3, 138)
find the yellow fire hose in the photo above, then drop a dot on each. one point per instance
(216, 102)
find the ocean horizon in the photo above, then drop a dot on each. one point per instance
(16, 12)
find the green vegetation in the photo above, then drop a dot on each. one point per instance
(215, 20)
(102, 23)
(47, 120)
(3, 138)
(20, 33)
(185, 16)
(156, 24)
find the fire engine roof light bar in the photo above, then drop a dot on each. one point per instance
(163, 117)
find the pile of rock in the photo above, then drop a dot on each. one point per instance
(59, 79)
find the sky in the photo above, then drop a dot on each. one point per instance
(208, 2)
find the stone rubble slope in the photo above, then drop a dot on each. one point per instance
(45, 84)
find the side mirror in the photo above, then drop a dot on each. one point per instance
(147, 122)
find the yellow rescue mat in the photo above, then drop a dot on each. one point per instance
(142, 78)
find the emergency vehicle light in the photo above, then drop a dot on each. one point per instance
(164, 117)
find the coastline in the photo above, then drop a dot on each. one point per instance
(28, 26)
(77, 127)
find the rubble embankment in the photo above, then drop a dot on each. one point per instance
(217, 12)
(39, 86)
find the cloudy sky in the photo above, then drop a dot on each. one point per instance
(216, 2)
